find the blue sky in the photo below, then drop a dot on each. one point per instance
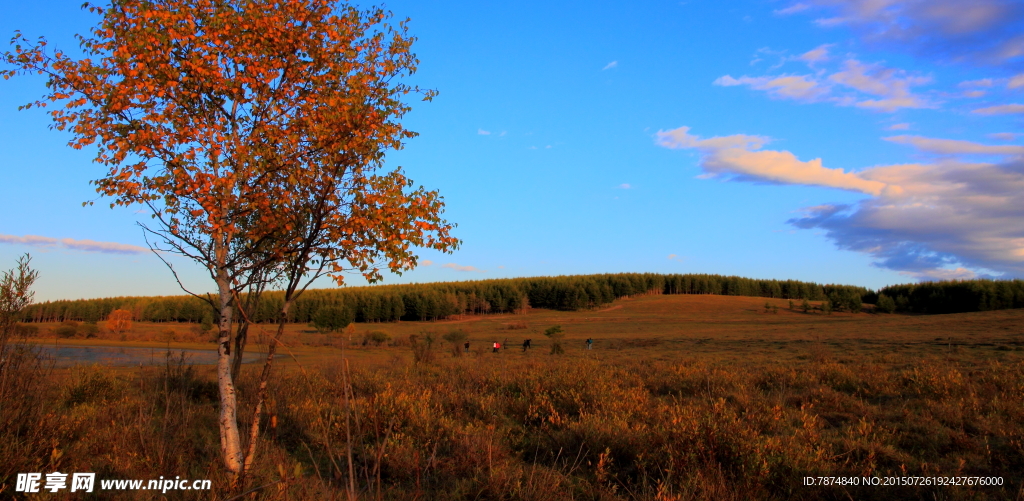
(867, 142)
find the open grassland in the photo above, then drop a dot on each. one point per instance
(682, 397)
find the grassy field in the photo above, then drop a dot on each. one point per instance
(682, 397)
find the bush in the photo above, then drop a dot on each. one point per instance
(377, 337)
(89, 330)
(332, 319)
(555, 333)
(207, 323)
(456, 338)
(66, 330)
(422, 347)
(885, 304)
(26, 330)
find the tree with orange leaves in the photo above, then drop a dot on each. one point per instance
(254, 131)
(119, 321)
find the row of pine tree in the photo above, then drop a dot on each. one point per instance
(449, 299)
(442, 300)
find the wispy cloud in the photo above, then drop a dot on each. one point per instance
(984, 82)
(889, 84)
(792, 9)
(954, 146)
(610, 65)
(1004, 136)
(676, 257)
(980, 32)
(871, 86)
(483, 132)
(459, 267)
(797, 87)
(1001, 109)
(741, 155)
(816, 55)
(426, 262)
(1016, 82)
(624, 186)
(900, 126)
(72, 244)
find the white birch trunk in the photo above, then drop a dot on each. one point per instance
(230, 443)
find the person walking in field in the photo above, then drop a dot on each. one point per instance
(497, 346)
(526, 345)
(466, 346)
(590, 343)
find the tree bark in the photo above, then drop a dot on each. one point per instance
(230, 444)
(261, 392)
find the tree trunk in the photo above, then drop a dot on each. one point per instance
(261, 392)
(230, 444)
(241, 336)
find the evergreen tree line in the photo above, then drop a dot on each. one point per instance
(953, 296)
(441, 300)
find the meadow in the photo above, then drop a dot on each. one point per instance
(681, 397)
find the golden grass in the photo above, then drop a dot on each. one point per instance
(682, 397)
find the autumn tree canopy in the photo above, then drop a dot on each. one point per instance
(255, 131)
(119, 321)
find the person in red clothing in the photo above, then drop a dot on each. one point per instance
(497, 346)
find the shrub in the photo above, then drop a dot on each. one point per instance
(26, 330)
(66, 330)
(555, 333)
(422, 347)
(89, 330)
(377, 337)
(332, 319)
(207, 323)
(456, 338)
(885, 304)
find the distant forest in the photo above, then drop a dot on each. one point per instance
(435, 301)
(955, 296)
(389, 303)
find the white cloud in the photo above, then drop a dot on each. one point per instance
(960, 273)
(792, 9)
(985, 82)
(977, 31)
(950, 214)
(459, 267)
(798, 87)
(624, 186)
(950, 218)
(483, 132)
(901, 126)
(426, 262)
(68, 243)
(1004, 136)
(1002, 109)
(955, 147)
(816, 55)
(892, 85)
(738, 155)
(871, 86)
(1016, 82)
(610, 65)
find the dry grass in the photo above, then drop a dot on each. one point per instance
(682, 397)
